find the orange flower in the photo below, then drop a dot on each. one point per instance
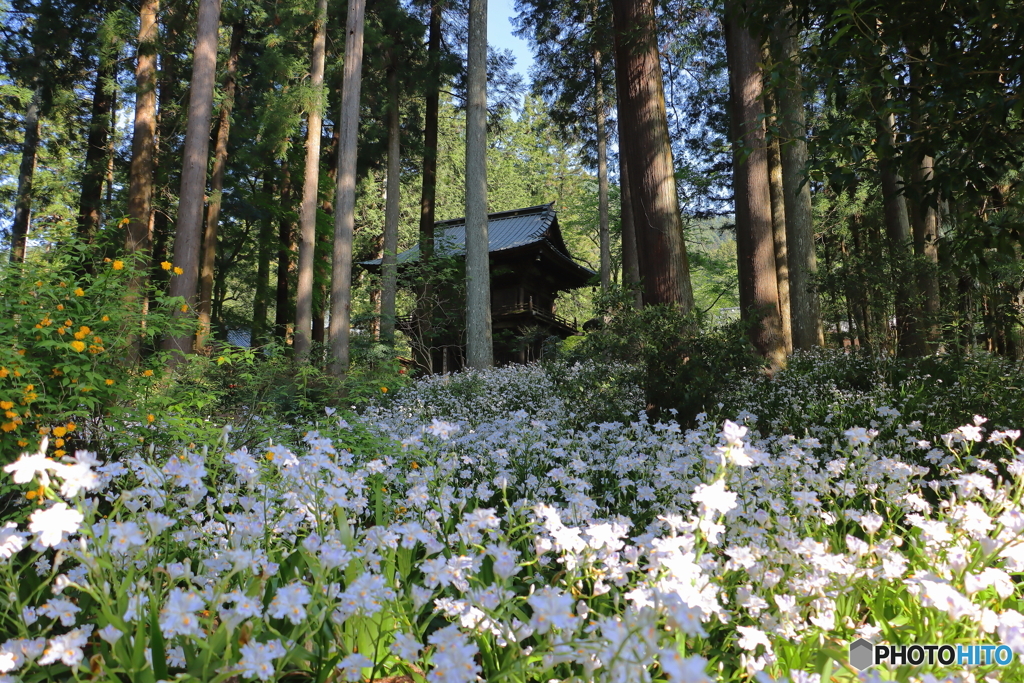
(4, 372)
(78, 346)
(383, 390)
(109, 382)
(117, 265)
(151, 418)
(184, 308)
(178, 271)
(6, 405)
(147, 373)
(71, 426)
(105, 318)
(60, 307)
(59, 431)
(79, 291)
(166, 265)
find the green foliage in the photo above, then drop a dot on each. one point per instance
(854, 389)
(64, 359)
(684, 362)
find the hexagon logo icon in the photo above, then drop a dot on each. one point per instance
(862, 654)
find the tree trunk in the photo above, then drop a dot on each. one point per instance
(282, 313)
(802, 262)
(258, 336)
(897, 227)
(425, 293)
(220, 162)
(656, 219)
(389, 267)
(23, 202)
(479, 350)
(602, 173)
(91, 197)
(750, 186)
(345, 200)
(193, 173)
(630, 264)
(779, 227)
(926, 235)
(139, 241)
(310, 189)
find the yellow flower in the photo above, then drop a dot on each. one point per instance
(59, 453)
(71, 426)
(59, 431)
(383, 390)
(6, 405)
(109, 382)
(78, 346)
(81, 292)
(60, 307)
(166, 265)
(147, 373)
(4, 372)
(178, 271)
(151, 418)
(59, 443)
(117, 265)
(105, 318)
(8, 426)
(184, 308)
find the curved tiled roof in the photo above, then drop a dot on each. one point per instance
(505, 230)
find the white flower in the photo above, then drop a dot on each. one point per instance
(871, 522)
(258, 659)
(552, 608)
(406, 647)
(179, 613)
(352, 666)
(714, 497)
(66, 648)
(683, 670)
(751, 637)
(51, 524)
(25, 468)
(11, 540)
(58, 608)
(290, 602)
(110, 633)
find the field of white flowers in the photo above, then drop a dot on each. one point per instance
(474, 530)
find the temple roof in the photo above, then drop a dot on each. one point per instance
(506, 231)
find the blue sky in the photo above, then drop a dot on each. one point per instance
(499, 34)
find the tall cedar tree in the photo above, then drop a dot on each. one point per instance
(801, 261)
(656, 220)
(220, 162)
(96, 154)
(310, 187)
(345, 197)
(389, 266)
(138, 242)
(188, 231)
(759, 290)
(479, 349)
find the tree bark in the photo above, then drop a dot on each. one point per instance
(258, 336)
(897, 227)
(630, 258)
(425, 293)
(802, 262)
(389, 266)
(91, 198)
(345, 198)
(778, 200)
(602, 173)
(139, 241)
(282, 313)
(310, 189)
(220, 162)
(479, 349)
(656, 220)
(193, 174)
(750, 186)
(23, 202)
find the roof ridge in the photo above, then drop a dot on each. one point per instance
(498, 215)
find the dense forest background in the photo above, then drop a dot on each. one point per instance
(899, 123)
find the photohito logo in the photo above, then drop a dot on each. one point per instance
(864, 655)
